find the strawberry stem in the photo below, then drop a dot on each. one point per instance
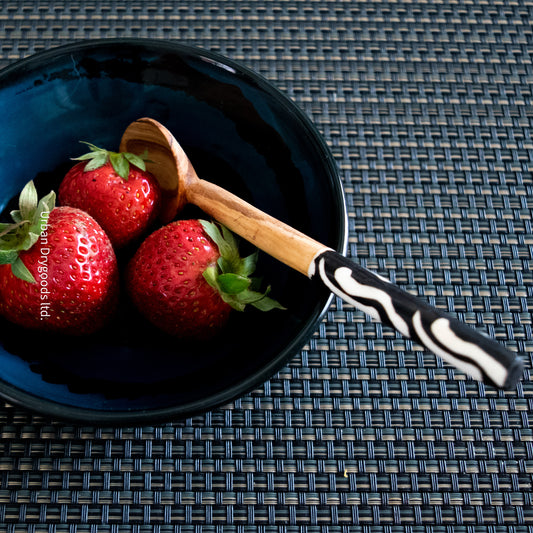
(231, 276)
(120, 161)
(29, 222)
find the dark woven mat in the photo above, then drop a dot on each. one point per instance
(427, 107)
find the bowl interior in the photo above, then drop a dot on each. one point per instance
(240, 133)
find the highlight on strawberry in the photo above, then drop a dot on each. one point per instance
(116, 190)
(187, 276)
(58, 270)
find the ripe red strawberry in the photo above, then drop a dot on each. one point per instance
(116, 190)
(187, 276)
(58, 270)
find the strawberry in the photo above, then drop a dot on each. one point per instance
(58, 270)
(187, 276)
(116, 190)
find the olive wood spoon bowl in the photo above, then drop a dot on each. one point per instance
(458, 344)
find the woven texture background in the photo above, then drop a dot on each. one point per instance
(427, 107)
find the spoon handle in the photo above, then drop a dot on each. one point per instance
(458, 344)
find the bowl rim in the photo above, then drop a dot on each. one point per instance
(55, 409)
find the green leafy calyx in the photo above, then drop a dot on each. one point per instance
(29, 221)
(120, 161)
(231, 276)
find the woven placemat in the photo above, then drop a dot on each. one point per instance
(427, 107)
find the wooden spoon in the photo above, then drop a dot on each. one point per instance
(472, 352)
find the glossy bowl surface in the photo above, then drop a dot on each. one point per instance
(240, 132)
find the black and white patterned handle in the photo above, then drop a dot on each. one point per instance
(458, 344)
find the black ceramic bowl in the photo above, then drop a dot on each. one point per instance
(240, 133)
